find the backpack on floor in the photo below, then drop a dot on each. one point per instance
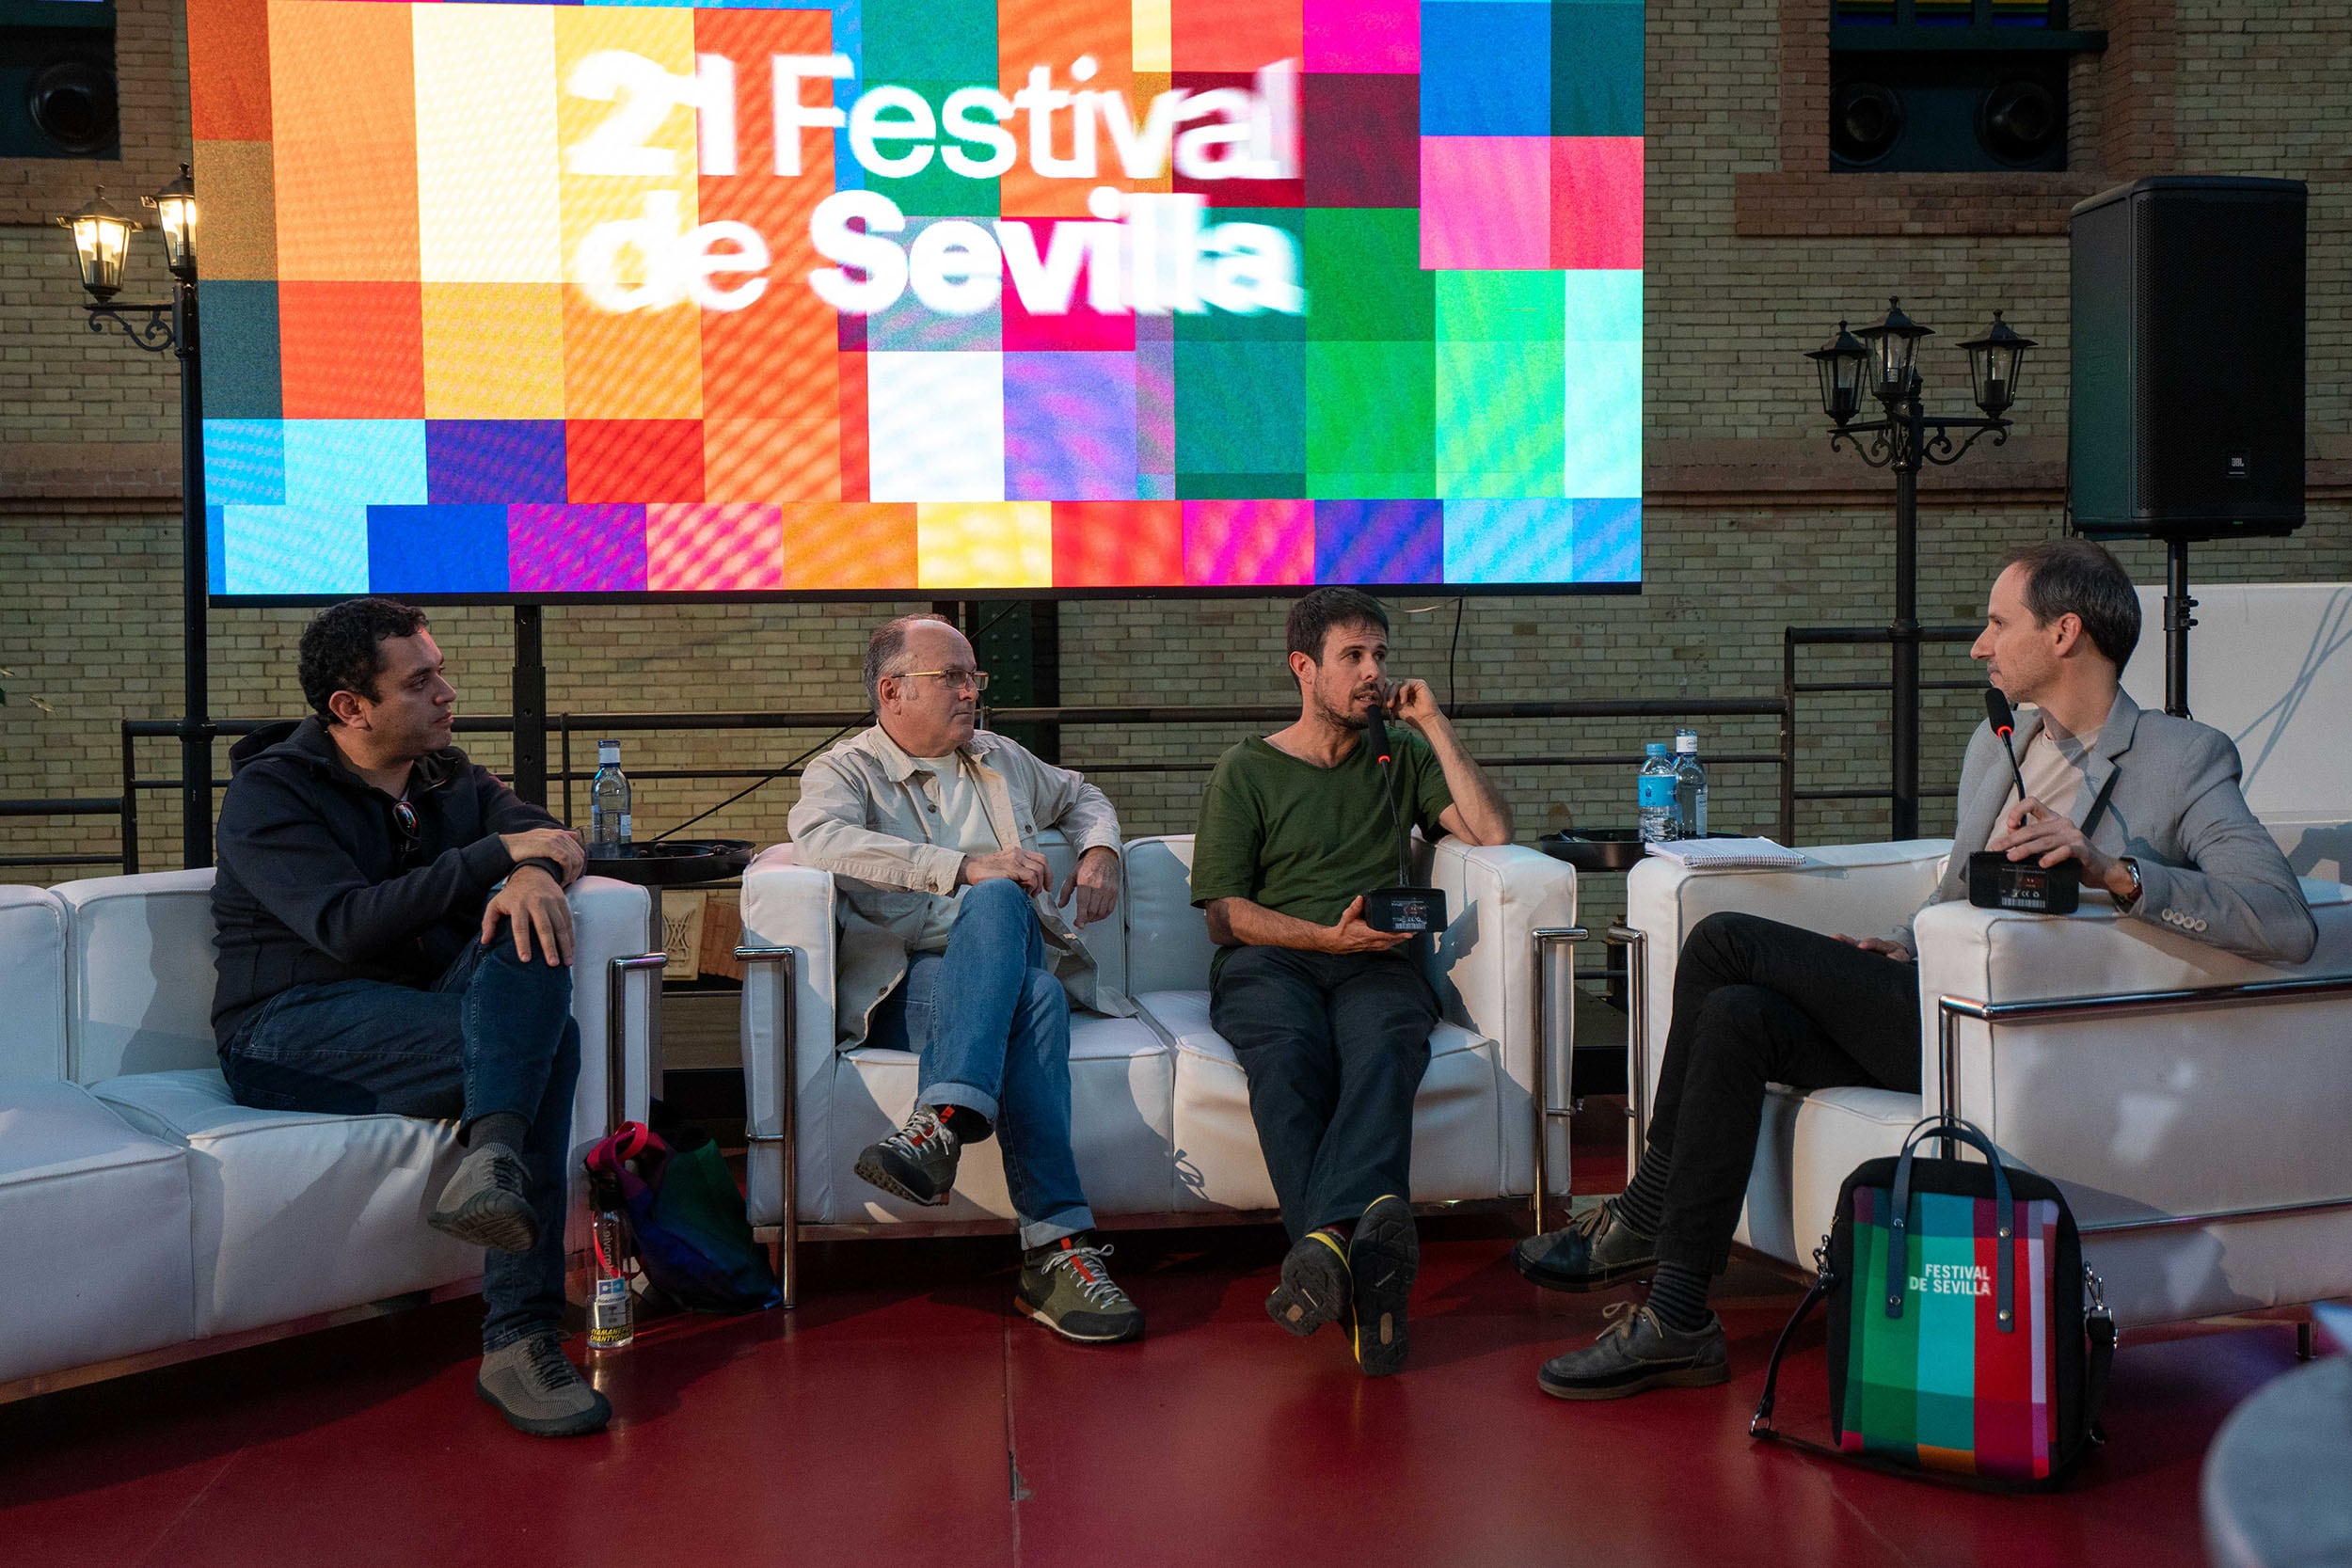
(1965, 1336)
(686, 1215)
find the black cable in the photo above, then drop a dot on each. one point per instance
(758, 783)
(1451, 648)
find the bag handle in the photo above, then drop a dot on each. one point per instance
(2004, 1218)
(1760, 1425)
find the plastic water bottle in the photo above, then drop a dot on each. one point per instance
(1655, 794)
(1690, 786)
(607, 804)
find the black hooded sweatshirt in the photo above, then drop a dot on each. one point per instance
(316, 882)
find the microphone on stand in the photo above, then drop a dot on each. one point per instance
(2004, 723)
(1403, 907)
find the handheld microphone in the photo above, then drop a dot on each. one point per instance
(2004, 723)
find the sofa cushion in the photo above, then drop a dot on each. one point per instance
(1219, 1166)
(1120, 1079)
(298, 1213)
(98, 1222)
(32, 986)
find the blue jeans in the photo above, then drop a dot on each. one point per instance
(494, 1034)
(992, 1026)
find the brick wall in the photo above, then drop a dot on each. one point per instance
(1753, 255)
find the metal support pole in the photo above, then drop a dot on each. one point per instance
(787, 962)
(195, 733)
(2177, 620)
(531, 708)
(1906, 627)
(616, 1032)
(1549, 940)
(1636, 944)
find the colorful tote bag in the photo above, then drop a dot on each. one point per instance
(1966, 1336)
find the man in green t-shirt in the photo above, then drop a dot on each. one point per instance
(1328, 1018)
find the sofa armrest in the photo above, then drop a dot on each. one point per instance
(788, 1039)
(1498, 899)
(2145, 1113)
(612, 1006)
(1860, 889)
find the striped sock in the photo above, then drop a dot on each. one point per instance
(1677, 1294)
(1643, 1204)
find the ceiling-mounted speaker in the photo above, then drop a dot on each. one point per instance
(1946, 112)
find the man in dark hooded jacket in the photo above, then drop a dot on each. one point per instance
(393, 938)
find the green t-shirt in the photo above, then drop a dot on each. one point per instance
(1303, 840)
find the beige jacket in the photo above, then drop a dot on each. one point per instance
(863, 816)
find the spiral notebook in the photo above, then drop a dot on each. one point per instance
(1727, 854)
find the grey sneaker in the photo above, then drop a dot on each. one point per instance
(1068, 1290)
(486, 1202)
(916, 1163)
(1314, 1287)
(1637, 1351)
(1594, 1249)
(536, 1387)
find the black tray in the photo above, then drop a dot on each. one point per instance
(1600, 848)
(677, 861)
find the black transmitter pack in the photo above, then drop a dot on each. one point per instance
(1997, 882)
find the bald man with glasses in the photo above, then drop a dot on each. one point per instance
(956, 945)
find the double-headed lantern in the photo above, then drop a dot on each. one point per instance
(101, 235)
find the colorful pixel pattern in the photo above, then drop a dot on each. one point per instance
(408, 391)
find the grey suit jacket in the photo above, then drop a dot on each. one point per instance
(2208, 869)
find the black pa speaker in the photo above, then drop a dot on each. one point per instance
(2186, 419)
(57, 80)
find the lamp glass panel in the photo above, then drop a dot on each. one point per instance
(101, 244)
(178, 216)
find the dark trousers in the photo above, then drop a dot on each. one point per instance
(1755, 1002)
(494, 1034)
(1334, 1046)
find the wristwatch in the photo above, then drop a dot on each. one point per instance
(2131, 869)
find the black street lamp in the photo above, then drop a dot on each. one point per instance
(101, 241)
(1881, 358)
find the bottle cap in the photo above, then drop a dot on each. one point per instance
(1656, 748)
(1687, 741)
(608, 751)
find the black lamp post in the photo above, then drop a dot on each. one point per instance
(1880, 359)
(101, 241)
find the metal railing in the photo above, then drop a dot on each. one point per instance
(1792, 688)
(125, 854)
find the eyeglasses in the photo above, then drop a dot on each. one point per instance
(975, 679)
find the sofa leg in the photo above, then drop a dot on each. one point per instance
(2304, 1350)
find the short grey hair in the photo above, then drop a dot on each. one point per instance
(887, 647)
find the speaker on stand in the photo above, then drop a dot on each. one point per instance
(2185, 421)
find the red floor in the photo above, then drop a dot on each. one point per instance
(905, 1408)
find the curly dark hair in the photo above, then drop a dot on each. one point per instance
(341, 651)
(1312, 617)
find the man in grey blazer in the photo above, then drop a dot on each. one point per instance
(1758, 1002)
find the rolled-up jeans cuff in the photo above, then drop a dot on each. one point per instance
(959, 1094)
(1036, 1233)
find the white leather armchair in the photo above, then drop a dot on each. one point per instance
(1159, 1108)
(148, 1216)
(2199, 1139)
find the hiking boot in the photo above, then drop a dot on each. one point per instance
(917, 1162)
(1382, 1258)
(484, 1203)
(1637, 1351)
(1314, 1289)
(1065, 1286)
(1593, 1249)
(536, 1387)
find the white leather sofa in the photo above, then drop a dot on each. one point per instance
(145, 1216)
(1160, 1110)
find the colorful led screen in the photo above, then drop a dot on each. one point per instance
(907, 296)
